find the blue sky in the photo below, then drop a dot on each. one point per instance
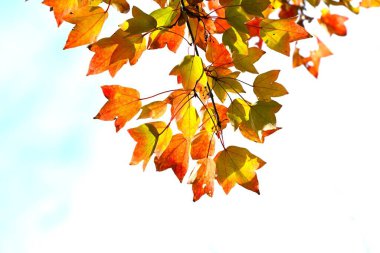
(65, 183)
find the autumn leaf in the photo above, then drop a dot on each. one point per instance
(224, 84)
(190, 72)
(153, 137)
(202, 145)
(120, 5)
(214, 117)
(175, 157)
(277, 34)
(184, 112)
(265, 86)
(63, 8)
(202, 178)
(311, 62)
(245, 62)
(238, 112)
(88, 24)
(113, 52)
(140, 23)
(235, 41)
(236, 165)
(334, 23)
(153, 110)
(122, 105)
(217, 54)
(261, 121)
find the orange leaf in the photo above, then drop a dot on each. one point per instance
(113, 52)
(312, 62)
(88, 24)
(334, 23)
(122, 105)
(153, 110)
(202, 179)
(150, 137)
(172, 38)
(176, 156)
(203, 145)
(277, 34)
(217, 54)
(237, 165)
(63, 8)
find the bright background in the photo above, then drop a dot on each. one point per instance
(66, 186)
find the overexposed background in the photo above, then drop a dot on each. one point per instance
(65, 182)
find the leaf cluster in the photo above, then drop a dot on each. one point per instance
(227, 38)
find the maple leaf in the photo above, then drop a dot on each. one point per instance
(153, 110)
(311, 62)
(202, 145)
(88, 24)
(140, 23)
(153, 137)
(222, 84)
(236, 165)
(175, 156)
(202, 179)
(122, 105)
(235, 41)
(238, 112)
(113, 52)
(218, 54)
(261, 121)
(334, 23)
(184, 112)
(63, 8)
(245, 62)
(168, 31)
(190, 72)
(265, 86)
(277, 34)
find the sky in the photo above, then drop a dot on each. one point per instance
(66, 186)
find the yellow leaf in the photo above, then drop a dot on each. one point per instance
(236, 165)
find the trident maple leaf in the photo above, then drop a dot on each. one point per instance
(88, 24)
(277, 34)
(236, 165)
(122, 105)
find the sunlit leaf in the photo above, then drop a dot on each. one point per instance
(88, 24)
(265, 86)
(202, 178)
(153, 110)
(175, 157)
(122, 105)
(277, 34)
(236, 165)
(202, 145)
(153, 137)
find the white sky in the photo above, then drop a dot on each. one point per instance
(65, 183)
